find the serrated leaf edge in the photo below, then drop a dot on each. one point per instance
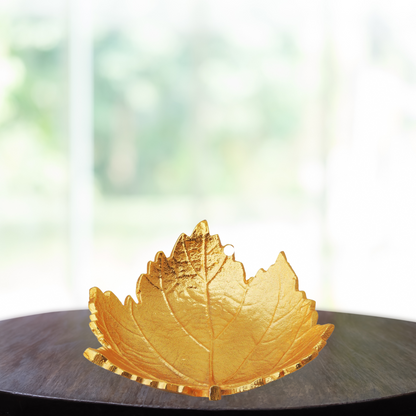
(96, 357)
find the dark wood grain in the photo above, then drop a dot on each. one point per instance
(368, 365)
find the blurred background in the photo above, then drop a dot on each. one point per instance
(287, 125)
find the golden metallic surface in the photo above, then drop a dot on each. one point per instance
(200, 328)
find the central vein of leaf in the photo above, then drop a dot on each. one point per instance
(204, 257)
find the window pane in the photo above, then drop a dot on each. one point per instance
(33, 158)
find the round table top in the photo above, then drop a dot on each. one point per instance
(368, 365)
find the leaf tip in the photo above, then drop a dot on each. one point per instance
(129, 301)
(282, 255)
(201, 229)
(93, 292)
(328, 331)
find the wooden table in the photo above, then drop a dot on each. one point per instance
(368, 367)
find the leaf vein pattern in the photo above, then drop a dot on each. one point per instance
(163, 360)
(189, 260)
(120, 322)
(108, 333)
(119, 351)
(211, 353)
(175, 317)
(219, 269)
(132, 332)
(147, 277)
(143, 372)
(293, 341)
(235, 315)
(264, 334)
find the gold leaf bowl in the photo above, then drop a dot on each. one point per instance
(200, 328)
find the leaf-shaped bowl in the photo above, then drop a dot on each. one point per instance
(200, 328)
